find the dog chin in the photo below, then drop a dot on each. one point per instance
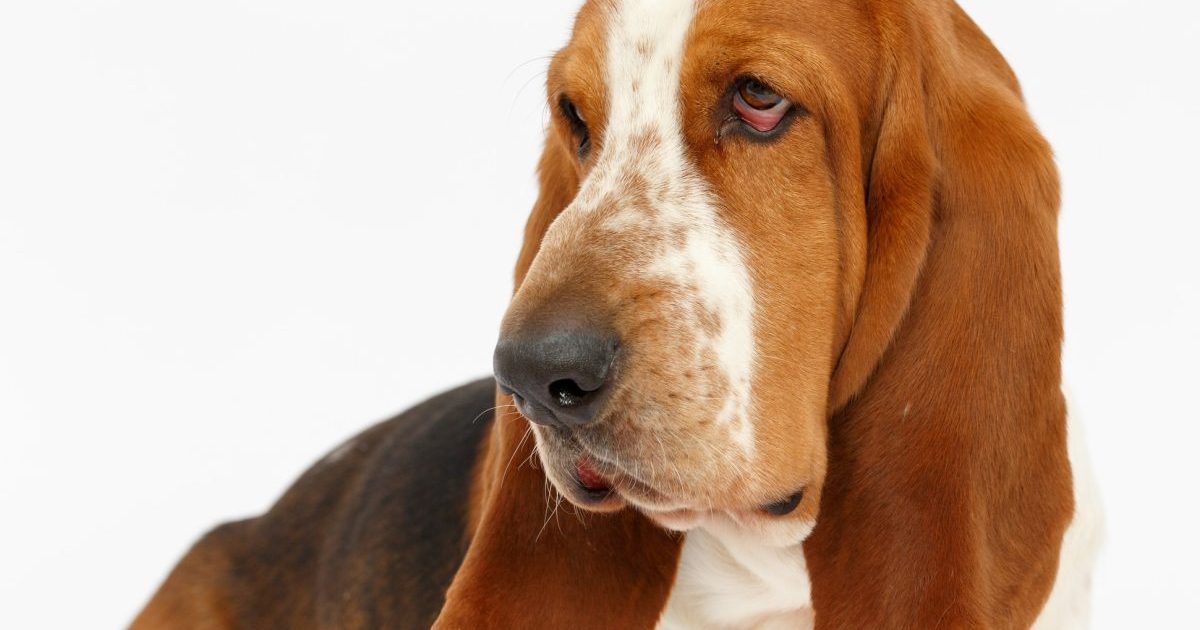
(675, 520)
(764, 529)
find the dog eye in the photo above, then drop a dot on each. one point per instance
(759, 106)
(578, 126)
(786, 506)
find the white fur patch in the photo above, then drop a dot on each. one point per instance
(682, 238)
(1070, 603)
(730, 579)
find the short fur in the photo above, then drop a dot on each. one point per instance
(369, 537)
(902, 241)
(948, 486)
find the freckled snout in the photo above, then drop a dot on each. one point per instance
(558, 375)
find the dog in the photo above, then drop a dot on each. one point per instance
(784, 352)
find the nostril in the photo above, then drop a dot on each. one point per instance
(556, 377)
(567, 393)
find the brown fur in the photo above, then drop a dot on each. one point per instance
(369, 537)
(903, 241)
(948, 486)
(618, 569)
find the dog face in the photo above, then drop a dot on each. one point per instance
(674, 337)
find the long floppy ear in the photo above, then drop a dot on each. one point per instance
(534, 562)
(948, 487)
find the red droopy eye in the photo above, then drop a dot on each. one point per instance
(759, 106)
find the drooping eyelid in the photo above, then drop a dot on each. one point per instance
(763, 121)
(766, 87)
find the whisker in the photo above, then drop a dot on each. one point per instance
(486, 411)
(547, 521)
(503, 475)
(512, 106)
(510, 74)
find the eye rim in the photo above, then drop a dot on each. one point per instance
(578, 125)
(785, 506)
(732, 122)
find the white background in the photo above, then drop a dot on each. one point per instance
(234, 233)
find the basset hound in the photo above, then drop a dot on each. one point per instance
(784, 352)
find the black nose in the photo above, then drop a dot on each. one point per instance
(556, 378)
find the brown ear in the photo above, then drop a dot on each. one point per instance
(948, 487)
(534, 561)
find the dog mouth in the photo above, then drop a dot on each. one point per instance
(594, 482)
(591, 480)
(602, 486)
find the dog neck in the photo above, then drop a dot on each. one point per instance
(728, 578)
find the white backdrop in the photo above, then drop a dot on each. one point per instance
(234, 233)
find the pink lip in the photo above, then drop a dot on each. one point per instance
(589, 477)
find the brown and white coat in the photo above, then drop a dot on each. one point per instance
(858, 311)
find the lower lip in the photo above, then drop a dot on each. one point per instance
(598, 488)
(593, 484)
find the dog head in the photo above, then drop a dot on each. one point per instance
(675, 336)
